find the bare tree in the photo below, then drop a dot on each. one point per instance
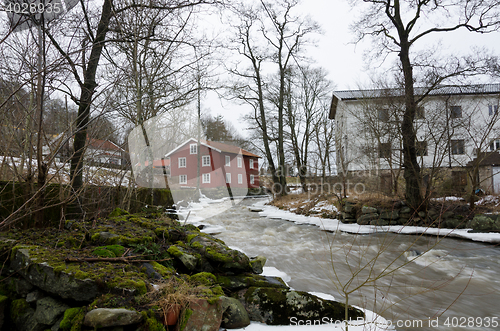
(307, 93)
(396, 26)
(269, 33)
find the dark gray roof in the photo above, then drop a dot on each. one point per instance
(441, 90)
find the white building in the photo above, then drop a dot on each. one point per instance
(452, 124)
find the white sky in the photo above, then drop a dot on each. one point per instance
(345, 61)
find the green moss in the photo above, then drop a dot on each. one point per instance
(118, 212)
(204, 278)
(174, 251)
(217, 256)
(185, 318)
(78, 321)
(138, 285)
(3, 298)
(162, 270)
(109, 251)
(18, 308)
(196, 245)
(191, 237)
(151, 323)
(103, 252)
(69, 316)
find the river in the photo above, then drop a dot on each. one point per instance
(414, 281)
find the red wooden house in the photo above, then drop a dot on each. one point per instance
(220, 165)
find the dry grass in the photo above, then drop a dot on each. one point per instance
(304, 203)
(172, 294)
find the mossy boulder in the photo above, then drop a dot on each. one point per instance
(48, 310)
(109, 317)
(204, 278)
(190, 261)
(47, 270)
(221, 257)
(23, 316)
(257, 264)
(485, 223)
(234, 283)
(234, 314)
(32, 263)
(109, 251)
(277, 306)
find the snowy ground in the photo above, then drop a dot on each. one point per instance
(59, 172)
(336, 225)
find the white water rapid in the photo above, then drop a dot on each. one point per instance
(417, 282)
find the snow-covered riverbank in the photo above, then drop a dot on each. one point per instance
(336, 225)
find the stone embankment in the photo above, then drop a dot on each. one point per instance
(132, 272)
(458, 217)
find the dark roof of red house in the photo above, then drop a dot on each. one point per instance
(228, 148)
(218, 146)
(104, 145)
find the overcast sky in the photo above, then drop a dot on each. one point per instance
(345, 61)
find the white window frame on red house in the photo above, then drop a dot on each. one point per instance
(250, 161)
(205, 161)
(240, 179)
(205, 179)
(183, 179)
(228, 161)
(181, 163)
(252, 179)
(240, 162)
(193, 149)
(228, 178)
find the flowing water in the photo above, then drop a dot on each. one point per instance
(416, 282)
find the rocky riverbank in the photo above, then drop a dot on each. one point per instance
(137, 272)
(442, 213)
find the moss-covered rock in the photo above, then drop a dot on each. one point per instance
(118, 212)
(109, 251)
(190, 261)
(204, 278)
(238, 282)
(109, 317)
(276, 306)
(234, 314)
(220, 256)
(48, 270)
(257, 263)
(72, 319)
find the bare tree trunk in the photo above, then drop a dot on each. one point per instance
(87, 91)
(410, 163)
